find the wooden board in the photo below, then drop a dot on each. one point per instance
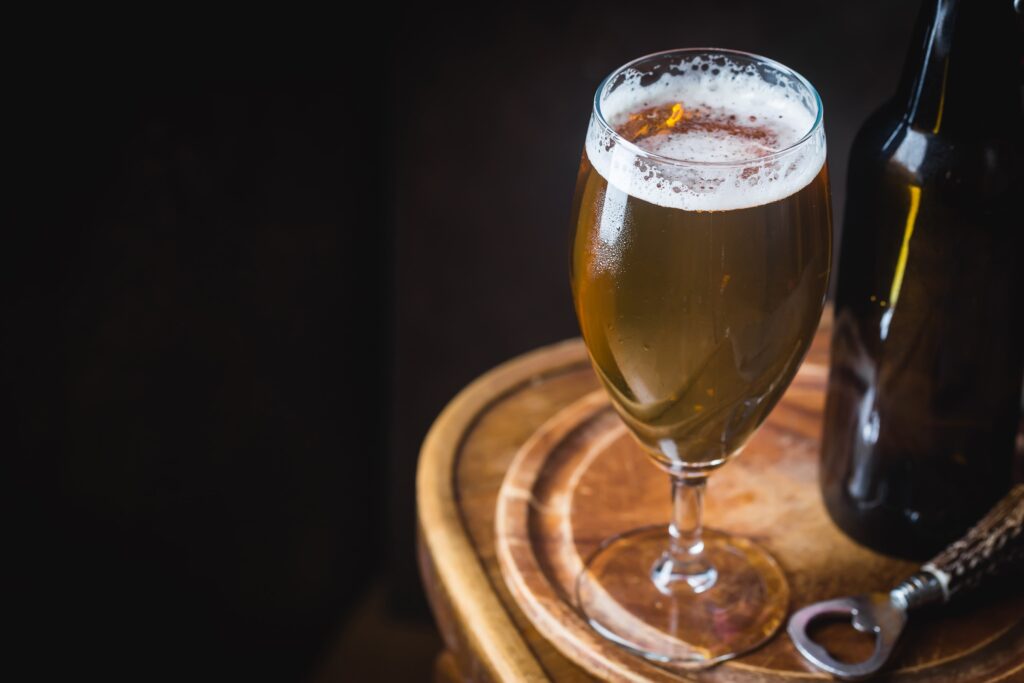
(582, 478)
(462, 463)
(462, 466)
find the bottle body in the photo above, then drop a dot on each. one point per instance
(924, 390)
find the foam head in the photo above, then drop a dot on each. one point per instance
(708, 134)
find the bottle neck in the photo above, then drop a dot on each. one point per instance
(963, 73)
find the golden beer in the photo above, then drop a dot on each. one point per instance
(696, 320)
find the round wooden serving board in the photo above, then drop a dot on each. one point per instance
(581, 478)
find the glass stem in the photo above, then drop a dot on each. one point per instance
(684, 564)
(687, 526)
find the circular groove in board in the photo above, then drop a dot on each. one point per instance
(581, 478)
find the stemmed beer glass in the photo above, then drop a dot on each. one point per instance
(700, 261)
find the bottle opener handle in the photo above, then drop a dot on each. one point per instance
(991, 547)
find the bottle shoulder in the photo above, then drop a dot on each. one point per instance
(888, 151)
(886, 129)
(879, 126)
(874, 145)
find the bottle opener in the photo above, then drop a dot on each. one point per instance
(993, 546)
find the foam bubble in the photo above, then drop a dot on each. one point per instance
(738, 173)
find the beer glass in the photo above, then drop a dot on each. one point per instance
(700, 262)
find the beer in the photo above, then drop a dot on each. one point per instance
(923, 399)
(698, 285)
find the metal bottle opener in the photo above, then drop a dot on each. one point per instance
(993, 546)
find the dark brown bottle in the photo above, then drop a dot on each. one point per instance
(925, 384)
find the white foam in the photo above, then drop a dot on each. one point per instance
(740, 173)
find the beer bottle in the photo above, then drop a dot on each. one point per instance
(925, 384)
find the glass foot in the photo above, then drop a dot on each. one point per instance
(735, 600)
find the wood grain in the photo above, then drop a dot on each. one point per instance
(769, 493)
(582, 478)
(475, 622)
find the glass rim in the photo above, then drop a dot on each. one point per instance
(640, 151)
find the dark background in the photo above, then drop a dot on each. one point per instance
(249, 261)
